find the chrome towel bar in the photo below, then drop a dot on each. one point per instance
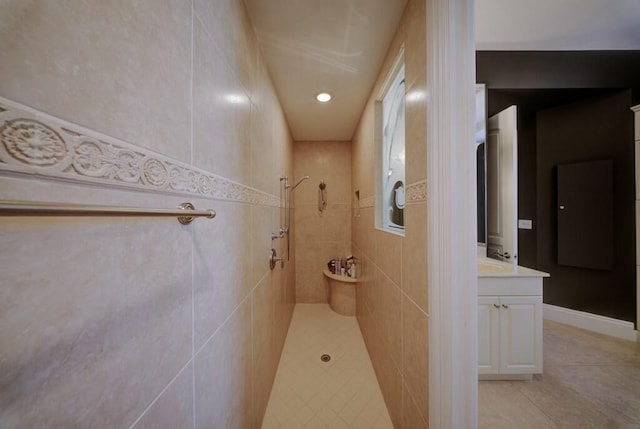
(185, 212)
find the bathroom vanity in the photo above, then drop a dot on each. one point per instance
(509, 321)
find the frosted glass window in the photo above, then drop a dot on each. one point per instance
(393, 155)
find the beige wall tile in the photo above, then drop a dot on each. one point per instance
(261, 158)
(394, 287)
(311, 288)
(389, 254)
(221, 112)
(223, 375)
(373, 296)
(415, 41)
(391, 317)
(416, 132)
(336, 223)
(124, 301)
(79, 314)
(308, 224)
(411, 416)
(368, 231)
(263, 318)
(320, 236)
(415, 354)
(267, 343)
(284, 295)
(271, 153)
(414, 254)
(229, 25)
(375, 344)
(263, 223)
(363, 153)
(123, 69)
(390, 381)
(220, 287)
(174, 407)
(327, 161)
(416, 99)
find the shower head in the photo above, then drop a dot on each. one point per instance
(298, 182)
(322, 185)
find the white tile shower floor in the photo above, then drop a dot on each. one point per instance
(309, 393)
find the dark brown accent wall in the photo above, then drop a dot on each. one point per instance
(542, 81)
(529, 102)
(559, 69)
(596, 129)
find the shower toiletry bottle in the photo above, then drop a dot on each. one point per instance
(351, 266)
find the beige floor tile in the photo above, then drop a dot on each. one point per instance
(566, 407)
(612, 389)
(309, 393)
(589, 381)
(502, 405)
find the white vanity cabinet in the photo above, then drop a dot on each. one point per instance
(509, 323)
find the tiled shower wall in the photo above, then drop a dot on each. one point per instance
(392, 290)
(320, 236)
(139, 322)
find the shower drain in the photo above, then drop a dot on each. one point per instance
(325, 358)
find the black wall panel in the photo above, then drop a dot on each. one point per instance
(585, 214)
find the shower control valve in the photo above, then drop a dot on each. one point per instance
(274, 259)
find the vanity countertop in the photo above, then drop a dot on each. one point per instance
(488, 267)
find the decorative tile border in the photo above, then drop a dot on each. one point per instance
(368, 202)
(38, 144)
(417, 192)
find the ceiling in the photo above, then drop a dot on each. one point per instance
(339, 45)
(557, 25)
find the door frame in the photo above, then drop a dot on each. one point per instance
(636, 111)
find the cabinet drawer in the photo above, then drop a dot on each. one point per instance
(512, 286)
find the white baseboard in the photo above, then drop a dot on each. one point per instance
(592, 322)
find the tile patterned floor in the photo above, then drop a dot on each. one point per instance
(309, 393)
(589, 381)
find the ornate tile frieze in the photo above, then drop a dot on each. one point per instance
(417, 192)
(368, 202)
(35, 143)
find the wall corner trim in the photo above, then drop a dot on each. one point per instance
(591, 322)
(451, 207)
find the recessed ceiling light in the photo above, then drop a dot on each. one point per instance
(323, 97)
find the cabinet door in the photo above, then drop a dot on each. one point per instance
(521, 335)
(488, 335)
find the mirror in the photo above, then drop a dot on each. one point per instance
(481, 162)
